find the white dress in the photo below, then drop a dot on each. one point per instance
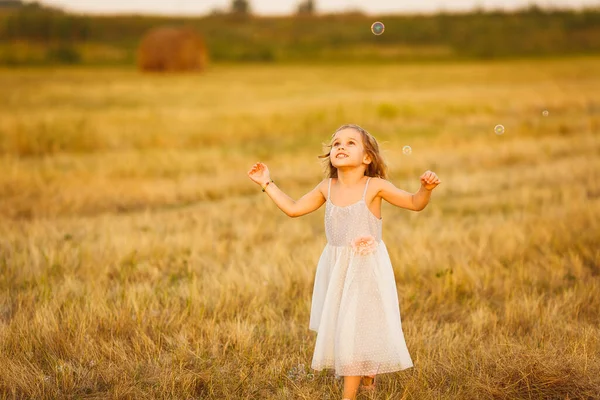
(355, 309)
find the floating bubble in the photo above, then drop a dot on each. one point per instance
(291, 374)
(545, 113)
(499, 129)
(407, 150)
(377, 28)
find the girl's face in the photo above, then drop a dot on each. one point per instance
(347, 149)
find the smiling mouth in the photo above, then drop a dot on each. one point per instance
(341, 156)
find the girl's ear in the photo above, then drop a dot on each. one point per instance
(367, 159)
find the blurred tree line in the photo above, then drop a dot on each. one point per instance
(32, 34)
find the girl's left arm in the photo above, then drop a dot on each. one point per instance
(395, 196)
(403, 199)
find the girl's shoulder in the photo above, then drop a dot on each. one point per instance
(323, 186)
(377, 183)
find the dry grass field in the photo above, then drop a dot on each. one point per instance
(138, 261)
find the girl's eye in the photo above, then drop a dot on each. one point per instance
(337, 143)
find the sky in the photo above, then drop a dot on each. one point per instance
(282, 7)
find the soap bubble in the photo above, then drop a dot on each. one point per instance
(377, 28)
(407, 150)
(499, 129)
(292, 373)
(545, 113)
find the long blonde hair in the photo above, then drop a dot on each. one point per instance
(377, 167)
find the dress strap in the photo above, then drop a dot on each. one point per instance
(366, 186)
(329, 189)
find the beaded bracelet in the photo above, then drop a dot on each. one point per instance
(265, 188)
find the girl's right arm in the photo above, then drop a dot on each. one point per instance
(305, 205)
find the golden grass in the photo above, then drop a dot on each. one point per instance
(139, 261)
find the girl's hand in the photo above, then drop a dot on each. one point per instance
(429, 180)
(259, 173)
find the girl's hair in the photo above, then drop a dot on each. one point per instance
(377, 167)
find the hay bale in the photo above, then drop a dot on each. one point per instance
(172, 49)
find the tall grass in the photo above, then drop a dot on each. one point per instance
(138, 260)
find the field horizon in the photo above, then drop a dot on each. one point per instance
(35, 35)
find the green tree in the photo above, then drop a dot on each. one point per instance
(240, 7)
(306, 7)
(11, 4)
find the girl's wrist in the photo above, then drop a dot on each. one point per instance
(264, 185)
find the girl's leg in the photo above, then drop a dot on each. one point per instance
(351, 384)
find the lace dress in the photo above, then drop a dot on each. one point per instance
(354, 308)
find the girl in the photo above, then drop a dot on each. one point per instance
(354, 309)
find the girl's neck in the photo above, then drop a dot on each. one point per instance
(350, 178)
